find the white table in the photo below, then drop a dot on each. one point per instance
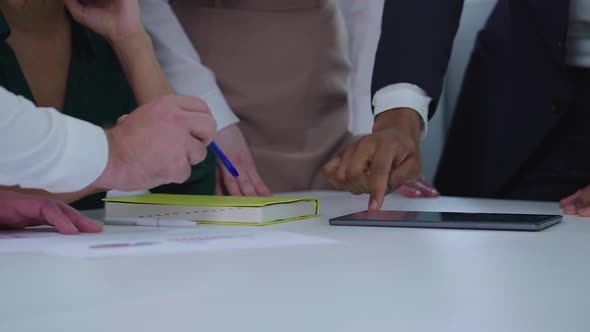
(375, 279)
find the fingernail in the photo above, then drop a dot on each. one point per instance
(373, 205)
(418, 193)
(585, 212)
(570, 210)
(434, 191)
(98, 222)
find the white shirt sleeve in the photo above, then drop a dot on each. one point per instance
(180, 61)
(363, 20)
(403, 95)
(43, 148)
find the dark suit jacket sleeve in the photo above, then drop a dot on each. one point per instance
(415, 45)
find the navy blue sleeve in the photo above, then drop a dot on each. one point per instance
(416, 42)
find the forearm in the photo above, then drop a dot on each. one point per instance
(143, 72)
(64, 197)
(42, 143)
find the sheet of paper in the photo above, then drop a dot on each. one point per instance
(33, 233)
(40, 239)
(153, 241)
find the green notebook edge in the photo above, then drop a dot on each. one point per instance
(276, 200)
(205, 200)
(257, 224)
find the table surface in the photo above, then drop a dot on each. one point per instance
(373, 279)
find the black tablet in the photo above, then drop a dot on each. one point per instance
(455, 220)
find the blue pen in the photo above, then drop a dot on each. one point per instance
(221, 156)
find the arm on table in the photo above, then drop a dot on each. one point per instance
(42, 146)
(119, 23)
(38, 144)
(157, 123)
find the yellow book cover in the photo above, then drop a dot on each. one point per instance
(226, 210)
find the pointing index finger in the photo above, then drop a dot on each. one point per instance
(378, 179)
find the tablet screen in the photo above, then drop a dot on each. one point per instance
(492, 221)
(448, 217)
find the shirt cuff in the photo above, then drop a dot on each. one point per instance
(220, 109)
(403, 95)
(84, 157)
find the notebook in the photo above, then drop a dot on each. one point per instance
(225, 210)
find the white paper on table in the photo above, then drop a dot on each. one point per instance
(25, 241)
(142, 241)
(39, 239)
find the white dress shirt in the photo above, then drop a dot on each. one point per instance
(578, 40)
(363, 23)
(188, 75)
(43, 148)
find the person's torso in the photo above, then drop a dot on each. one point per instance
(93, 73)
(516, 90)
(282, 66)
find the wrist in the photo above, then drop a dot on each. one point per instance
(131, 45)
(402, 119)
(108, 179)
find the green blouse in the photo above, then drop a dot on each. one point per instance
(97, 92)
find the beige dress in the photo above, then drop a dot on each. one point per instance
(282, 66)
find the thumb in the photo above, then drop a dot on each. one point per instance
(122, 118)
(332, 165)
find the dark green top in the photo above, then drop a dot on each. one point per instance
(97, 92)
